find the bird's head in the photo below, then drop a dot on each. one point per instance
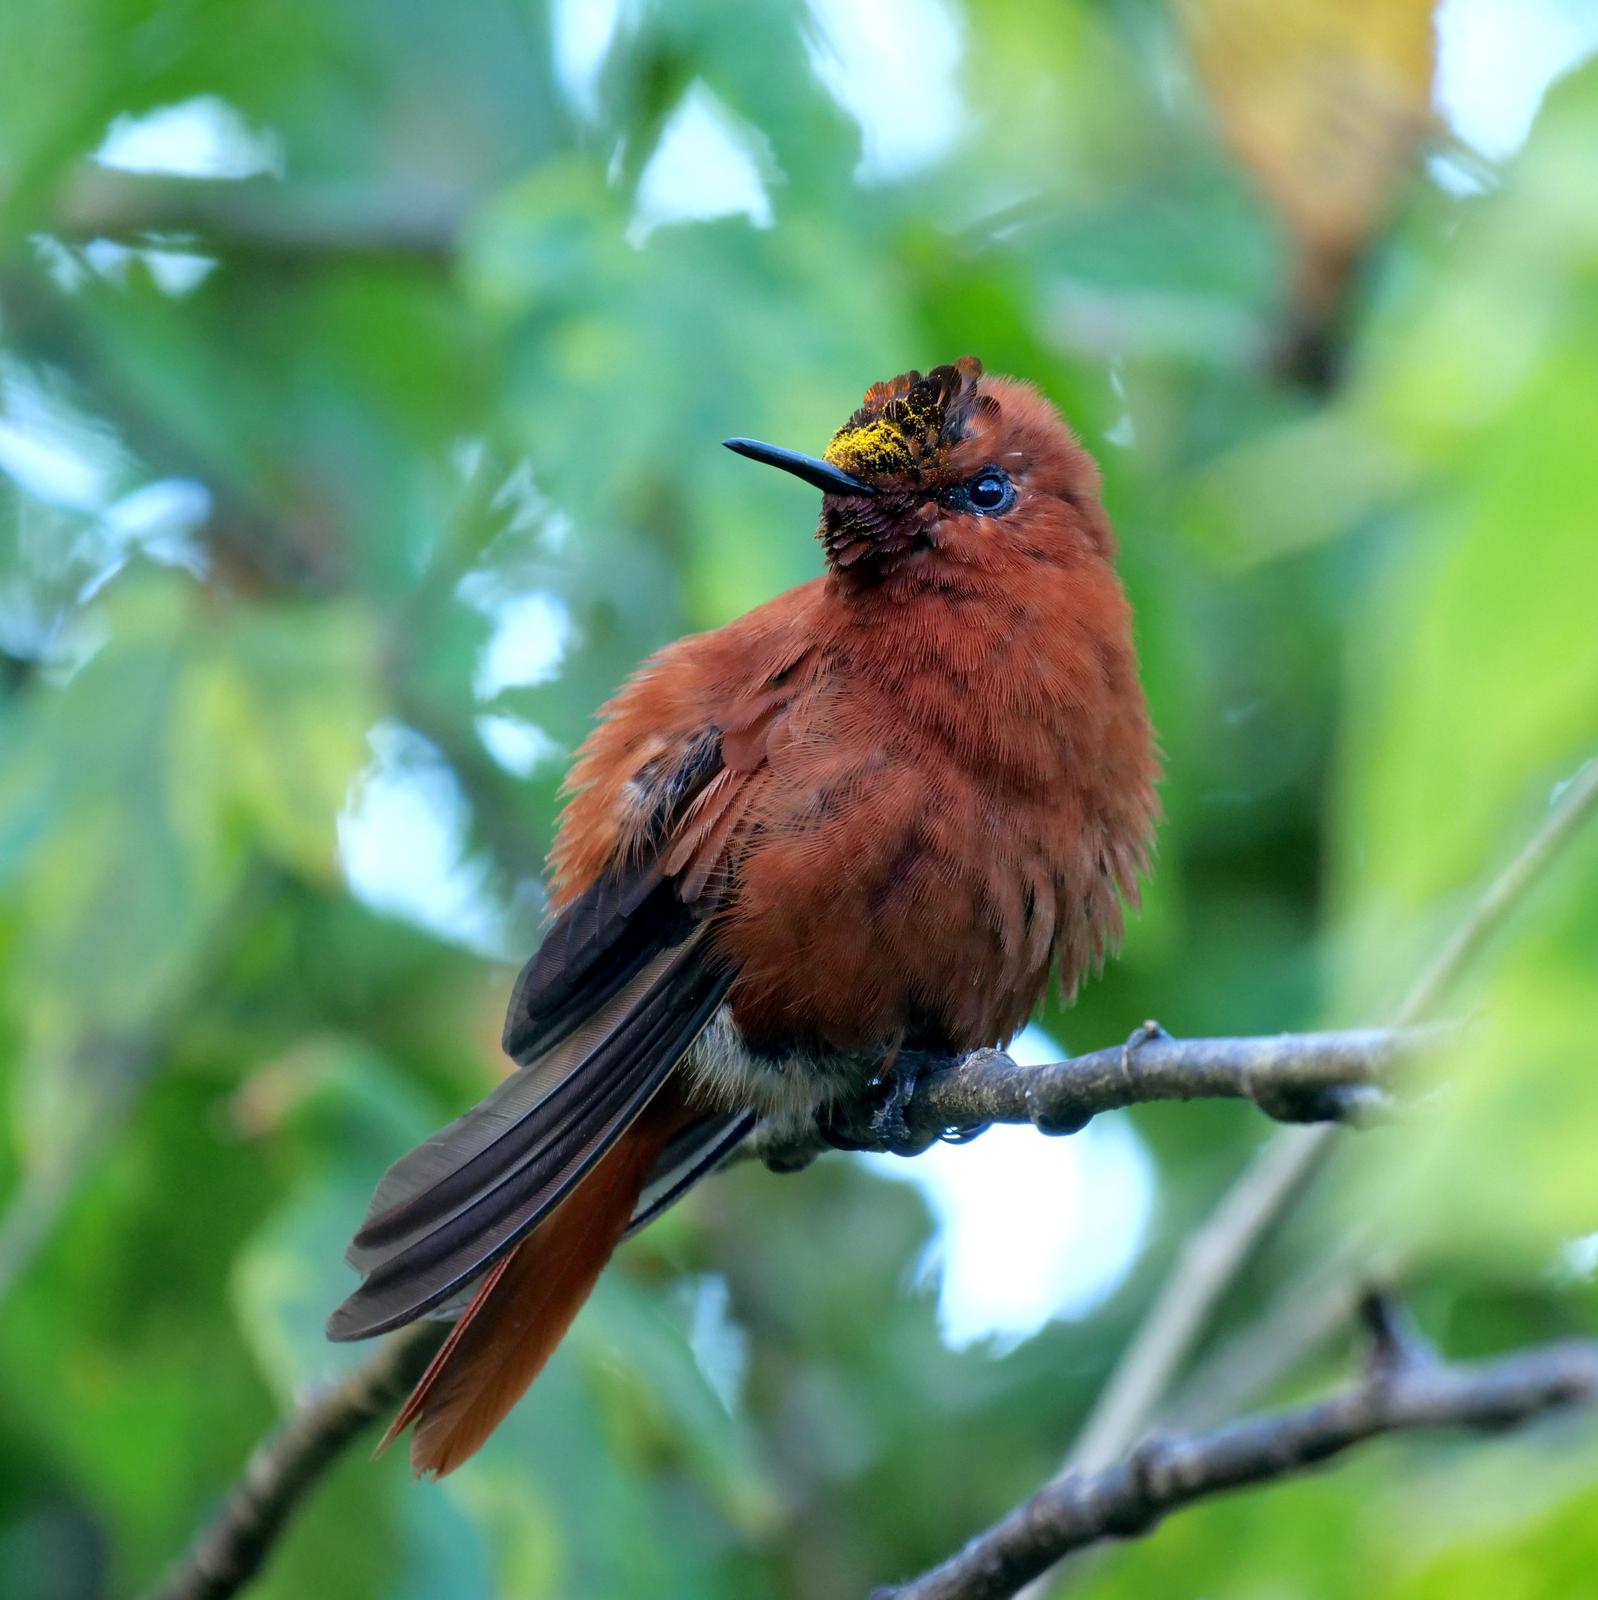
(953, 470)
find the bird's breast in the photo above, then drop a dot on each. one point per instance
(932, 838)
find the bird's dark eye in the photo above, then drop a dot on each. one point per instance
(989, 494)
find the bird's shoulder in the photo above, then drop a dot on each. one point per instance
(694, 715)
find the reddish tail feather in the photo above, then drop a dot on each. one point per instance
(526, 1302)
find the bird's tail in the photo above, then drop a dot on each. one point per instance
(525, 1303)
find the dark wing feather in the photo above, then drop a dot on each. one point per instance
(693, 1154)
(595, 946)
(520, 1163)
(633, 910)
(617, 992)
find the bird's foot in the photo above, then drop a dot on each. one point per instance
(835, 1127)
(892, 1091)
(879, 1119)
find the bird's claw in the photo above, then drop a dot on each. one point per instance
(879, 1121)
(890, 1120)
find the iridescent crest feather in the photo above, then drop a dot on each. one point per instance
(905, 423)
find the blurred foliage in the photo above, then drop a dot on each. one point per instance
(284, 455)
(1322, 101)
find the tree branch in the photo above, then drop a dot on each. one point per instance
(288, 1464)
(1294, 1077)
(1403, 1391)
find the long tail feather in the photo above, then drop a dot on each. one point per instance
(447, 1211)
(525, 1304)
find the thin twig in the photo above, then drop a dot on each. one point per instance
(1577, 802)
(227, 1552)
(1303, 1319)
(1219, 1251)
(264, 217)
(1401, 1392)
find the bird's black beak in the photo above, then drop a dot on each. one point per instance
(829, 479)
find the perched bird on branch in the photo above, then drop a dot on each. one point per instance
(859, 826)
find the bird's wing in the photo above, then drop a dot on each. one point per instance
(620, 988)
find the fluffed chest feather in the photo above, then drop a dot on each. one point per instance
(918, 861)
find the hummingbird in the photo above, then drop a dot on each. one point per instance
(859, 826)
